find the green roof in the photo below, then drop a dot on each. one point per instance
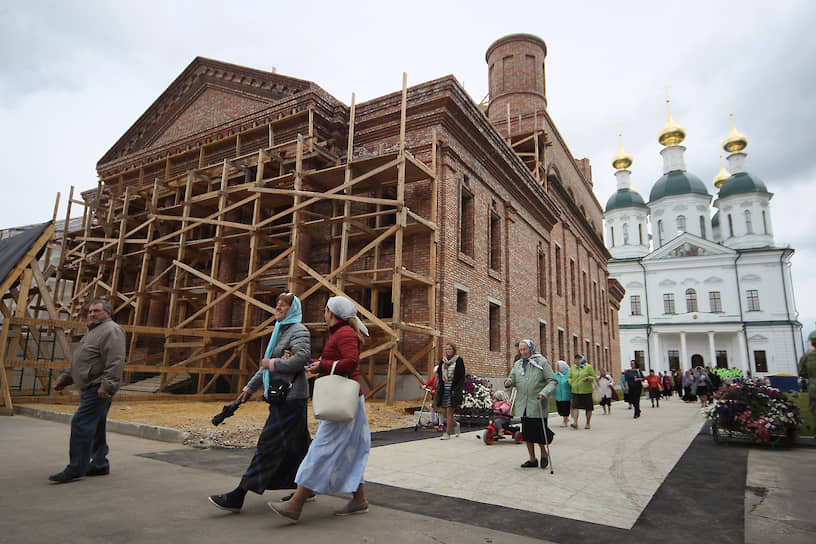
(677, 182)
(625, 198)
(740, 183)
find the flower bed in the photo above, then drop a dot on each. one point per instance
(749, 411)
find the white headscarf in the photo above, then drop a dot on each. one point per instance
(345, 309)
(563, 366)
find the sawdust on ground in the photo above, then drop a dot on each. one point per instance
(242, 429)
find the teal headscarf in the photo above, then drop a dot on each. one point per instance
(294, 315)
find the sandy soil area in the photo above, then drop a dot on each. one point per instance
(240, 430)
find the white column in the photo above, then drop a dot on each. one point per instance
(712, 353)
(683, 351)
(655, 359)
(743, 347)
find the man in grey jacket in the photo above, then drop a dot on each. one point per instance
(96, 370)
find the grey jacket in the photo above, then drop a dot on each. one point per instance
(98, 360)
(296, 338)
(537, 379)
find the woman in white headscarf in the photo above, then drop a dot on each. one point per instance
(535, 381)
(563, 393)
(339, 452)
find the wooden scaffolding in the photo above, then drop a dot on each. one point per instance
(193, 249)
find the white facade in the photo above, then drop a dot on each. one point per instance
(698, 295)
(695, 302)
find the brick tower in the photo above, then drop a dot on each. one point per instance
(516, 78)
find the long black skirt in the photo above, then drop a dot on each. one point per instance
(282, 445)
(533, 431)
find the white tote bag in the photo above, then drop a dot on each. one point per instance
(335, 398)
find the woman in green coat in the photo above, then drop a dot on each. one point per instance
(581, 378)
(535, 381)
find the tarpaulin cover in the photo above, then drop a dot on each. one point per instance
(13, 249)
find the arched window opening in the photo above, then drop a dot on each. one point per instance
(626, 234)
(749, 228)
(702, 228)
(691, 300)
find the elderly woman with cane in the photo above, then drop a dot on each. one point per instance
(535, 381)
(339, 452)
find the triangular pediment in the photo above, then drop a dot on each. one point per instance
(206, 94)
(688, 245)
(210, 108)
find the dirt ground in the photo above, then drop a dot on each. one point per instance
(240, 430)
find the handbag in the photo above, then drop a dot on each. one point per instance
(596, 392)
(277, 390)
(335, 397)
(615, 394)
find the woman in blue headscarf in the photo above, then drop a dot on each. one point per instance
(535, 382)
(285, 438)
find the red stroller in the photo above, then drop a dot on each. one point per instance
(501, 425)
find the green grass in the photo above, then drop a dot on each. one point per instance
(801, 400)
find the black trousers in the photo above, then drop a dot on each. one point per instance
(634, 397)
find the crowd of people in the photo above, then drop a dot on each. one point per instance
(334, 460)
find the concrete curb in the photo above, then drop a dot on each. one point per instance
(151, 432)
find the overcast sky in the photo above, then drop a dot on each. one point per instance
(75, 75)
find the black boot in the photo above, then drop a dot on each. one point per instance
(231, 502)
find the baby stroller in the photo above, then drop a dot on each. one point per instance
(501, 425)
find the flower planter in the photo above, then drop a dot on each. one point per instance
(473, 417)
(726, 435)
(753, 413)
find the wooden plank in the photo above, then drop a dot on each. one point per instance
(65, 345)
(379, 322)
(215, 282)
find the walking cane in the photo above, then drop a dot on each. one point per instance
(546, 438)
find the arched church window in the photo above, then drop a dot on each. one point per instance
(691, 300)
(730, 226)
(749, 228)
(660, 232)
(626, 234)
(702, 228)
(681, 223)
(764, 222)
(612, 236)
(640, 234)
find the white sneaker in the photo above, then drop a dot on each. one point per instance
(445, 436)
(457, 429)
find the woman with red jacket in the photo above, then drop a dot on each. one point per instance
(339, 451)
(654, 386)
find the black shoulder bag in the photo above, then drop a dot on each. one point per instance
(277, 390)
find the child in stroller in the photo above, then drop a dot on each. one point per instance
(499, 424)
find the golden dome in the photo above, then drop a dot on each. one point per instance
(735, 141)
(722, 175)
(622, 160)
(671, 133)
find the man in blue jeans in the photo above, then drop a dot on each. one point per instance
(96, 369)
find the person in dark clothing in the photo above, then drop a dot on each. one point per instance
(634, 386)
(285, 439)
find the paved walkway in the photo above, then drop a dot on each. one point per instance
(652, 479)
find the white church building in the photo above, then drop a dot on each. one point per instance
(701, 290)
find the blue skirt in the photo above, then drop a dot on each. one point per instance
(338, 455)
